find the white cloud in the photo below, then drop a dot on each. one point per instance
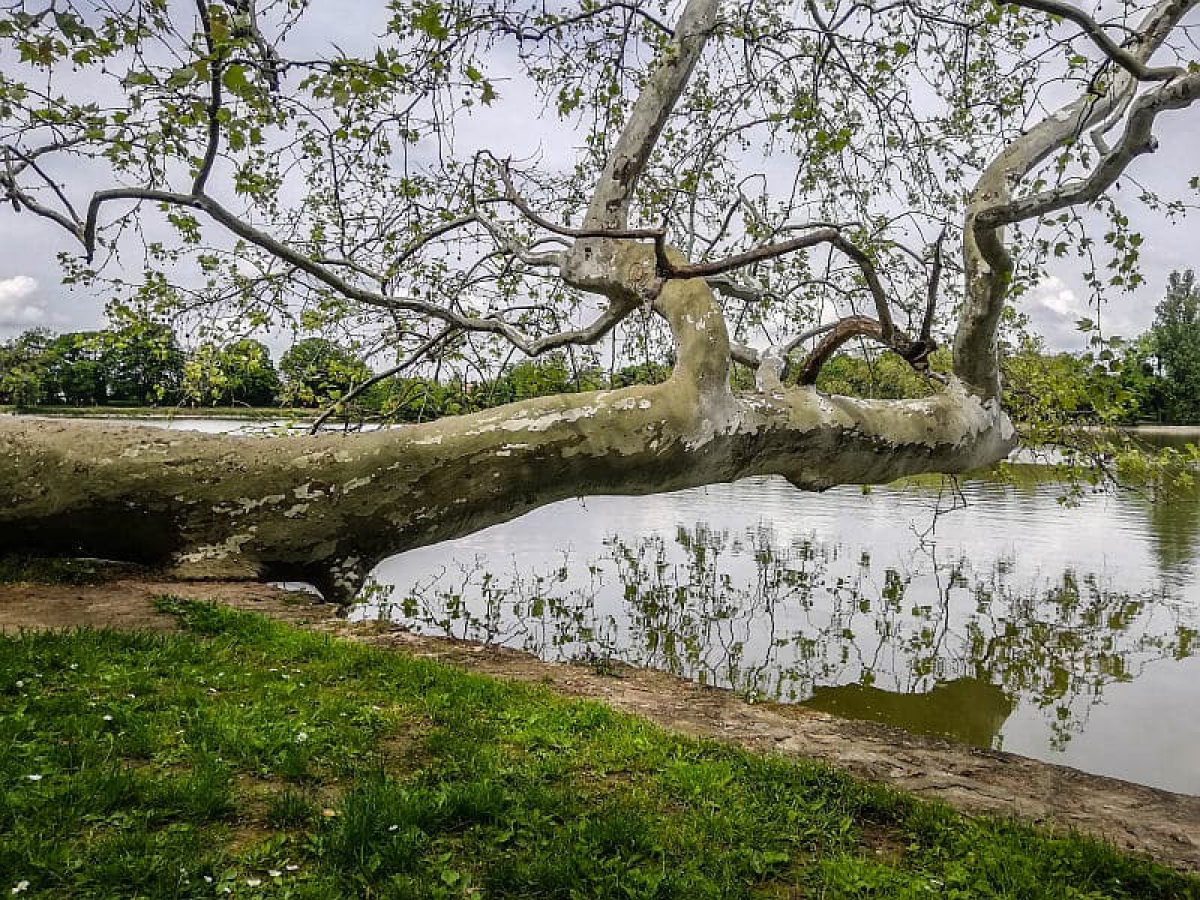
(16, 307)
(1058, 298)
(1054, 308)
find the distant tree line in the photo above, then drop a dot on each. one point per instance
(142, 363)
(1155, 377)
(139, 364)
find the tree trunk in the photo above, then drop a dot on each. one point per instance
(325, 509)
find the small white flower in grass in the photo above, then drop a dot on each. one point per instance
(208, 879)
(21, 683)
(393, 828)
(107, 718)
(34, 777)
(20, 887)
(253, 882)
(291, 867)
(301, 737)
(274, 873)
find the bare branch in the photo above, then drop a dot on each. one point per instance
(827, 235)
(515, 248)
(935, 276)
(523, 33)
(747, 356)
(1118, 54)
(9, 181)
(1137, 139)
(213, 107)
(736, 290)
(915, 353)
(352, 266)
(414, 358)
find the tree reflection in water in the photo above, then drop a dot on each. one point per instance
(936, 647)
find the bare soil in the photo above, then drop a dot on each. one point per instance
(1159, 824)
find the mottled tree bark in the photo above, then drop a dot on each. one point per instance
(325, 509)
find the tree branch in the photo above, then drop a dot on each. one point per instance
(213, 107)
(20, 198)
(417, 355)
(609, 208)
(825, 235)
(915, 353)
(1137, 139)
(1118, 54)
(987, 261)
(522, 33)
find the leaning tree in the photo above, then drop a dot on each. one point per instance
(758, 182)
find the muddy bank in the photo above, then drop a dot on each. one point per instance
(1158, 823)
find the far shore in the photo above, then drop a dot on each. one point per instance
(255, 413)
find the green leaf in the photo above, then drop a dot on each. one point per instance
(234, 79)
(429, 20)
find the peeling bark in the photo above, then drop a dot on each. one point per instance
(325, 509)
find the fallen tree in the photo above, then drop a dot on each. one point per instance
(326, 508)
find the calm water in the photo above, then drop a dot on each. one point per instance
(993, 615)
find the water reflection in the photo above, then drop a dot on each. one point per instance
(965, 709)
(1009, 626)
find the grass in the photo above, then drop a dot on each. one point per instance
(243, 758)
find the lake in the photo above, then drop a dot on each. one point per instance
(985, 611)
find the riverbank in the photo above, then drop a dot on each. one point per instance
(219, 684)
(249, 413)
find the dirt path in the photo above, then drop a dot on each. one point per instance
(1160, 824)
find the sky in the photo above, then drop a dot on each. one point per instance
(31, 293)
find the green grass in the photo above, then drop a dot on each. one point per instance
(248, 755)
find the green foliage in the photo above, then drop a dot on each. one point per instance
(158, 766)
(23, 368)
(143, 361)
(78, 368)
(885, 376)
(1175, 340)
(137, 362)
(1051, 391)
(238, 374)
(317, 372)
(1155, 377)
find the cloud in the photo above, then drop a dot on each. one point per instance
(1054, 308)
(16, 309)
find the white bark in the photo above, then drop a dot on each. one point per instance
(325, 509)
